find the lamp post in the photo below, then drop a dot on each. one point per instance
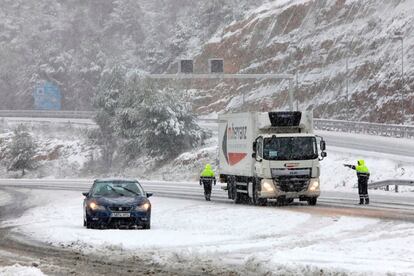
(296, 75)
(348, 46)
(399, 36)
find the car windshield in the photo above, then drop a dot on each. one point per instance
(117, 188)
(290, 148)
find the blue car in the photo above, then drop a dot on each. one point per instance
(117, 203)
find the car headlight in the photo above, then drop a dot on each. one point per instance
(95, 207)
(314, 185)
(143, 208)
(267, 185)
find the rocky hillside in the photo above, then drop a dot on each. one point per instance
(72, 43)
(316, 38)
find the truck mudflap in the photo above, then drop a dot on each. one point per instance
(271, 189)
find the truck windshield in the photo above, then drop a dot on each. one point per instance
(290, 148)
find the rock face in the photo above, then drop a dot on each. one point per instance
(73, 43)
(317, 38)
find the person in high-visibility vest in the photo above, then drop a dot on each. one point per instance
(363, 177)
(207, 178)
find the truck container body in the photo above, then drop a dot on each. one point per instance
(269, 155)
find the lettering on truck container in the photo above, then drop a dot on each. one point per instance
(234, 144)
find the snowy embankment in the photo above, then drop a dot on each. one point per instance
(18, 270)
(63, 149)
(254, 239)
(334, 176)
(66, 153)
(5, 198)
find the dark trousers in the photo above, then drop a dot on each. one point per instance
(207, 184)
(363, 188)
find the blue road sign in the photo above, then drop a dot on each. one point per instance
(47, 96)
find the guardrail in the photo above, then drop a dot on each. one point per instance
(390, 182)
(398, 131)
(48, 114)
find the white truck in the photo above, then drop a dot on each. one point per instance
(270, 155)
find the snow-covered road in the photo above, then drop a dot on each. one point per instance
(392, 148)
(258, 239)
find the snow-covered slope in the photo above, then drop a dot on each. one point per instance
(316, 37)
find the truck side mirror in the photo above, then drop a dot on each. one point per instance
(324, 154)
(254, 155)
(323, 145)
(254, 146)
(85, 194)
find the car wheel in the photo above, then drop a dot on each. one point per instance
(147, 225)
(88, 223)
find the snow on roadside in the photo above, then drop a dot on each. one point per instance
(256, 239)
(18, 270)
(334, 176)
(5, 198)
(60, 152)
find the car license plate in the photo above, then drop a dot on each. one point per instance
(120, 215)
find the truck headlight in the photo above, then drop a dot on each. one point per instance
(314, 185)
(143, 208)
(96, 207)
(267, 185)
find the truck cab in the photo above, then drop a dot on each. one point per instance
(284, 160)
(288, 166)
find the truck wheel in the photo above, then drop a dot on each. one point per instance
(231, 189)
(312, 201)
(280, 202)
(256, 200)
(238, 197)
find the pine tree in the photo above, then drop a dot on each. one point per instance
(106, 102)
(156, 122)
(22, 150)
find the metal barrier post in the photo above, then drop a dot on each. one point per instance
(396, 188)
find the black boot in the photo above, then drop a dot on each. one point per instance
(367, 200)
(361, 200)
